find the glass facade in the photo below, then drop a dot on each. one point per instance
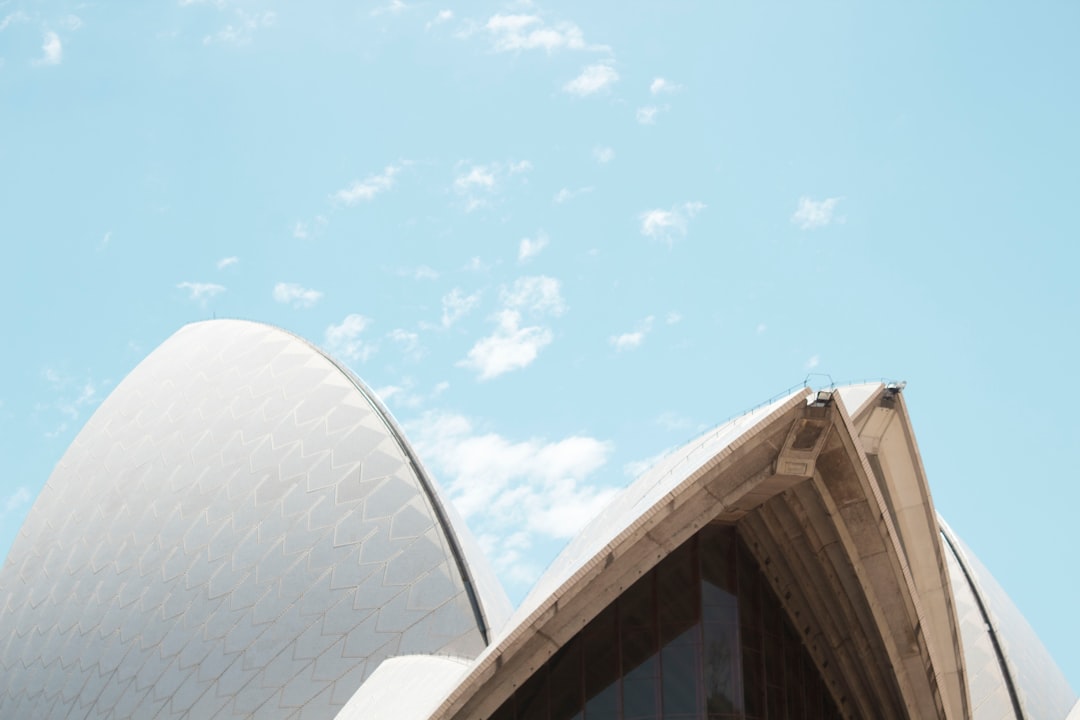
(699, 637)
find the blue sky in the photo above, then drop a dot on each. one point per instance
(560, 238)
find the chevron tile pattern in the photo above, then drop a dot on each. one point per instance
(236, 532)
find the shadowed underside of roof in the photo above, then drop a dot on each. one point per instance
(833, 532)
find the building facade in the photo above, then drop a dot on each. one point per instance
(241, 530)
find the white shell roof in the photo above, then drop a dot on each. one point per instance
(405, 687)
(238, 530)
(1041, 687)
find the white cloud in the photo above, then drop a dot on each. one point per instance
(635, 468)
(510, 347)
(538, 294)
(660, 85)
(17, 16)
(72, 22)
(475, 264)
(52, 50)
(243, 30)
(592, 79)
(567, 194)
(674, 421)
(502, 487)
(665, 224)
(626, 341)
(227, 261)
(647, 115)
(15, 501)
(87, 394)
(72, 397)
(105, 240)
(481, 182)
(388, 391)
(305, 231)
(520, 166)
(441, 17)
(405, 394)
(603, 154)
(456, 305)
(199, 291)
(813, 362)
(528, 248)
(394, 7)
(296, 295)
(409, 343)
(630, 340)
(367, 189)
(344, 341)
(529, 32)
(479, 176)
(673, 318)
(420, 272)
(812, 214)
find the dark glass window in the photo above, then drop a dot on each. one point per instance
(699, 637)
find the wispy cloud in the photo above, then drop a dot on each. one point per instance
(309, 231)
(365, 190)
(812, 214)
(514, 493)
(566, 194)
(477, 184)
(394, 7)
(529, 248)
(660, 85)
(813, 362)
(478, 176)
(72, 397)
(296, 295)
(200, 291)
(343, 340)
(105, 240)
(52, 50)
(631, 340)
(635, 468)
(647, 115)
(420, 272)
(443, 16)
(530, 32)
(673, 421)
(673, 318)
(603, 154)
(10, 18)
(242, 31)
(405, 394)
(666, 224)
(14, 502)
(592, 80)
(475, 264)
(539, 295)
(456, 305)
(408, 342)
(227, 261)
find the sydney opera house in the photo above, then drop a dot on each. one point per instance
(242, 531)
